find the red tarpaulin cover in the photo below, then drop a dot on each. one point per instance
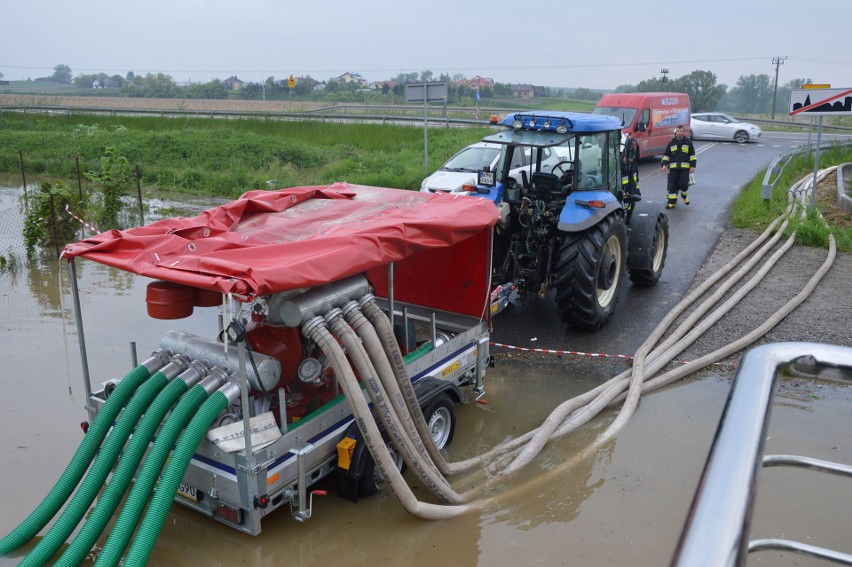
(271, 241)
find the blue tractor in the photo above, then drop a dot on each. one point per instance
(565, 223)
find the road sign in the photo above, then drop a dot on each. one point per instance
(423, 92)
(820, 102)
(291, 82)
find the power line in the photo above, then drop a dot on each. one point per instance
(396, 69)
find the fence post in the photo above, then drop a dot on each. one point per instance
(79, 180)
(24, 175)
(53, 222)
(139, 196)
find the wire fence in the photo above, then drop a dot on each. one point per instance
(19, 273)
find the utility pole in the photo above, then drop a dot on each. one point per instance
(777, 61)
(665, 72)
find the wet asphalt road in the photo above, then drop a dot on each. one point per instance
(723, 168)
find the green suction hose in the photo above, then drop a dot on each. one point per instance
(124, 526)
(110, 499)
(72, 474)
(152, 524)
(98, 472)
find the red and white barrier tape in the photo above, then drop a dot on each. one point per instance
(589, 354)
(84, 223)
(552, 351)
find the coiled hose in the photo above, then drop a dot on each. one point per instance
(375, 349)
(110, 499)
(76, 468)
(127, 520)
(102, 465)
(152, 524)
(394, 356)
(316, 330)
(430, 477)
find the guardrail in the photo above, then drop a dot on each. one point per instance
(795, 124)
(777, 165)
(717, 526)
(322, 115)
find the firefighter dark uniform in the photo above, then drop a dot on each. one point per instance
(680, 160)
(630, 172)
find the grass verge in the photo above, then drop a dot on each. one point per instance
(750, 210)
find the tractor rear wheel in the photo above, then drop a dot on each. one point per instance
(589, 273)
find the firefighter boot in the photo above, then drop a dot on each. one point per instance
(671, 200)
(684, 197)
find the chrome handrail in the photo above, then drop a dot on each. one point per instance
(717, 526)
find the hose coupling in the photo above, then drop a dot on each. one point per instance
(159, 358)
(178, 363)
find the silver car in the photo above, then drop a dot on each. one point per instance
(720, 126)
(459, 174)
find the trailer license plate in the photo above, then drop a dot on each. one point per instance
(188, 491)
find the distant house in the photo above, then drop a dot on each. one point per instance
(527, 91)
(352, 78)
(479, 82)
(382, 85)
(233, 83)
(523, 91)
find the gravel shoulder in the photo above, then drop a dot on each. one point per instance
(825, 316)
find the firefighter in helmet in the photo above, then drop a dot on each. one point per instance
(679, 161)
(630, 171)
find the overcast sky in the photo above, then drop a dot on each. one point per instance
(562, 43)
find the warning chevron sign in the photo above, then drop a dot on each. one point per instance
(821, 102)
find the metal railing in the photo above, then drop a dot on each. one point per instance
(777, 165)
(717, 528)
(438, 116)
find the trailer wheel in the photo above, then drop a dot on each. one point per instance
(588, 275)
(372, 480)
(440, 417)
(645, 271)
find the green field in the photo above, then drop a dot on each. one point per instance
(48, 88)
(225, 158)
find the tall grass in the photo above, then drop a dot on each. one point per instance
(750, 210)
(225, 158)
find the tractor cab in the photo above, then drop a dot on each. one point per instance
(565, 152)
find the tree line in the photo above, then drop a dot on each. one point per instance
(752, 94)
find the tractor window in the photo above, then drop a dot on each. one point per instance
(613, 166)
(591, 161)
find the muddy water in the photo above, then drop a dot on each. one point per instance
(623, 504)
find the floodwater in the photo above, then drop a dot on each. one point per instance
(621, 504)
